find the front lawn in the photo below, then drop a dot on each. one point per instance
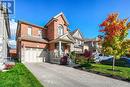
(122, 72)
(18, 76)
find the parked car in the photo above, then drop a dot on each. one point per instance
(123, 62)
(98, 57)
(126, 60)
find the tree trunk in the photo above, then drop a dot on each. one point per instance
(113, 63)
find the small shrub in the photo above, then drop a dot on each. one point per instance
(8, 66)
(88, 55)
(72, 55)
(83, 61)
(63, 60)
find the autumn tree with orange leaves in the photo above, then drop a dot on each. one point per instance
(114, 31)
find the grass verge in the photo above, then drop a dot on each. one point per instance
(122, 73)
(18, 76)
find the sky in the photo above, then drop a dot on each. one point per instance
(13, 27)
(83, 14)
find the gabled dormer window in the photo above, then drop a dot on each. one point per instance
(29, 31)
(60, 30)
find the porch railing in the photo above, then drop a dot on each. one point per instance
(55, 57)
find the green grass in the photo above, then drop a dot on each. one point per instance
(18, 76)
(122, 72)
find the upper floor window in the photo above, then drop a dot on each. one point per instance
(40, 33)
(80, 42)
(76, 41)
(60, 30)
(30, 31)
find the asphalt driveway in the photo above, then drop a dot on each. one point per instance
(52, 75)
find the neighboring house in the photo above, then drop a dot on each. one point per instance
(4, 33)
(48, 43)
(13, 53)
(79, 41)
(93, 44)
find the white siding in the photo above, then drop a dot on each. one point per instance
(77, 34)
(3, 37)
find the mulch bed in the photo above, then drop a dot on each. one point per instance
(103, 74)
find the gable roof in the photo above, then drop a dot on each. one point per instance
(90, 39)
(72, 33)
(55, 17)
(66, 37)
(62, 14)
(31, 24)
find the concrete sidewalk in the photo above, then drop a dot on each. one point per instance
(52, 75)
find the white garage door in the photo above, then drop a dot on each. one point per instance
(34, 55)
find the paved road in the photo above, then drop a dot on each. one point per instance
(52, 75)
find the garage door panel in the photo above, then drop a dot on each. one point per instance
(34, 55)
(27, 54)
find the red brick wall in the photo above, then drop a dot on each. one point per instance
(12, 53)
(51, 46)
(33, 44)
(61, 21)
(52, 31)
(24, 30)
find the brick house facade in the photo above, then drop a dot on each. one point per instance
(48, 43)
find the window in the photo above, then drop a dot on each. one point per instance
(60, 30)
(40, 33)
(80, 42)
(76, 41)
(30, 31)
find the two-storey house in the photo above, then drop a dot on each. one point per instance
(30, 42)
(48, 43)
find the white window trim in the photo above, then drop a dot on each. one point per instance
(40, 33)
(29, 31)
(61, 30)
